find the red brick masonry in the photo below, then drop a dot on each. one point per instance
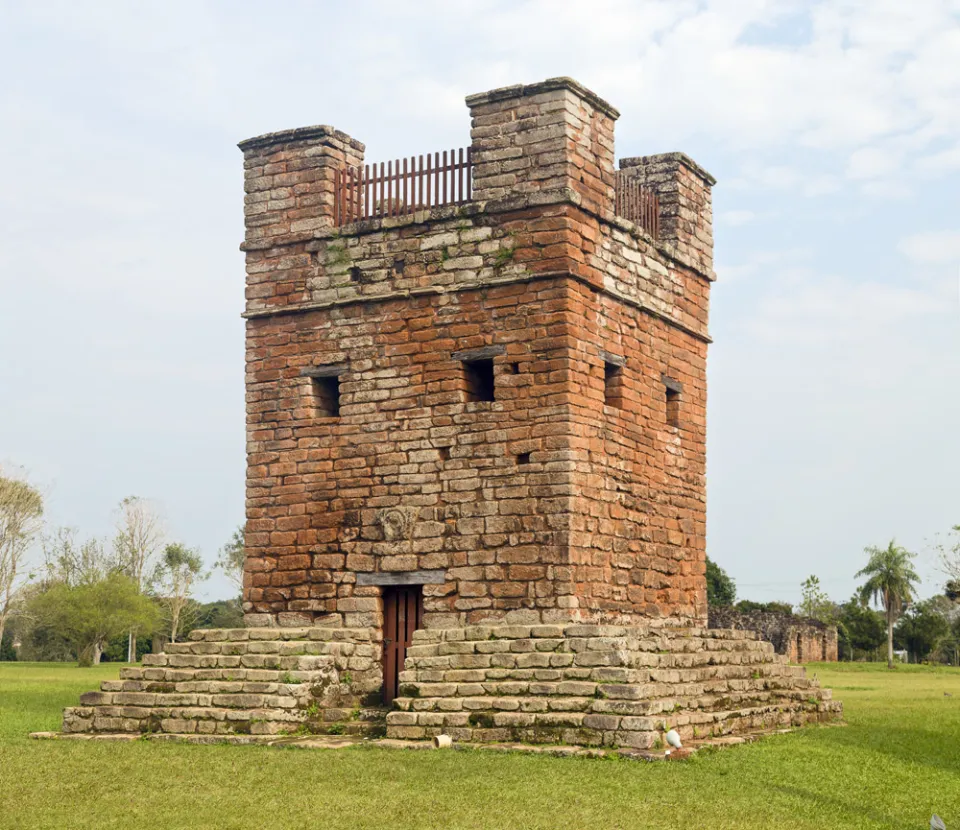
(575, 493)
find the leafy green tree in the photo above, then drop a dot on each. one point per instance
(90, 614)
(7, 651)
(922, 627)
(224, 613)
(890, 580)
(232, 558)
(177, 574)
(815, 603)
(116, 649)
(721, 589)
(860, 628)
(747, 605)
(21, 512)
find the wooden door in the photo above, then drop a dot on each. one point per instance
(402, 614)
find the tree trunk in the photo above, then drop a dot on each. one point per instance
(132, 647)
(889, 641)
(97, 653)
(3, 625)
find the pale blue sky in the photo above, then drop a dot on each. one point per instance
(833, 129)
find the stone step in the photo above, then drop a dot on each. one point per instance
(592, 659)
(231, 674)
(632, 701)
(319, 634)
(283, 683)
(674, 640)
(592, 729)
(282, 648)
(637, 649)
(709, 675)
(183, 717)
(354, 662)
(585, 688)
(284, 698)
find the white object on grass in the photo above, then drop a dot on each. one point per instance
(673, 738)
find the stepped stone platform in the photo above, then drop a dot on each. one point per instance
(222, 682)
(572, 685)
(596, 685)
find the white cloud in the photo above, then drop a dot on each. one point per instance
(762, 262)
(822, 311)
(736, 218)
(820, 185)
(931, 246)
(944, 161)
(870, 163)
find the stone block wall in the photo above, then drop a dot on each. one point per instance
(588, 685)
(289, 181)
(799, 639)
(686, 204)
(550, 136)
(257, 682)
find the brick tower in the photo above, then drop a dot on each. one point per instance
(476, 395)
(499, 401)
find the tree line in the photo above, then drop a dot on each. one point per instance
(86, 598)
(884, 610)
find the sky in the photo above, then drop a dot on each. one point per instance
(833, 129)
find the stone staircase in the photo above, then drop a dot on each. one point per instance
(571, 684)
(589, 685)
(272, 681)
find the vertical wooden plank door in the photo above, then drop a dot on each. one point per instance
(402, 614)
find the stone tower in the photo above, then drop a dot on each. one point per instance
(476, 390)
(500, 401)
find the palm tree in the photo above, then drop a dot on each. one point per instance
(891, 579)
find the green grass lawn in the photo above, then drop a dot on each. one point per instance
(896, 762)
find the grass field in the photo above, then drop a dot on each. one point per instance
(896, 762)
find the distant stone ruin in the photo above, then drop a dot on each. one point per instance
(799, 639)
(476, 423)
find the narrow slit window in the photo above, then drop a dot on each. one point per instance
(672, 390)
(478, 375)
(613, 385)
(326, 396)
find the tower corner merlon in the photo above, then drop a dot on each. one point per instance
(289, 181)
(683, 189)
(554, 137)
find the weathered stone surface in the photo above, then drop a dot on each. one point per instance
(704, 684)
(305, 690)
(800, 639)
(538, 506)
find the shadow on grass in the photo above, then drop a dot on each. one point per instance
(909, 745)
(857, 811)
